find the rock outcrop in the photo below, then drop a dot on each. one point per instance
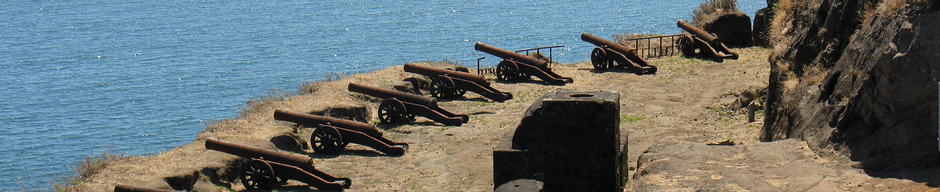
(761, 29)
(730, 27)
(858, 77)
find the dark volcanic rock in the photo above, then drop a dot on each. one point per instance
(762, 19)
(871, 93)
(733, 28)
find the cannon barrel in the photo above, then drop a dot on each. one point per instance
(505, 54)
(431, 71)
(388, 93)
(603, 42)
(698, 32)
(301, 161)
(311, 120)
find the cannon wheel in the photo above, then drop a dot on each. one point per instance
(393, 111)
(507, 71)
(443, 87)
(459, 92)
(686, 45)
(258, 174)
(327, 140)
(599, 59)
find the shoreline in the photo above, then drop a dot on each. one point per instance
(254, 126)
(688, 102)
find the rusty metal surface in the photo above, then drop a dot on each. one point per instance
(434, 72)
(505, 54)
(705, 42)
(384, 145)
(129, 188)
(311, 120)
(698, 32)
(316, 178)
(628, 52)
(623, 54)
(600, 42)
(388, 93)
(246, 151)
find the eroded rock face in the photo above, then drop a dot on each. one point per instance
(760, 32)
(733, 28)
(871, 94)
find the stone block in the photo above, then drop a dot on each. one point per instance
(569, 140)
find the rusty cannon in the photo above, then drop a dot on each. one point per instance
(267, 168)
(607, 52)
(450, 84)
(705, 42)
(332, 135)
(517, 66)
(401, 107)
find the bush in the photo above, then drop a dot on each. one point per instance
(713, 6)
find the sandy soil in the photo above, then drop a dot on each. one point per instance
(688, 101)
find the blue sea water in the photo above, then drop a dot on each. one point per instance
(141, 77)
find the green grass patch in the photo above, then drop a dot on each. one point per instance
(624, 118)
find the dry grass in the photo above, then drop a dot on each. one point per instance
(891, 7)
(85, 170)
(713, 6)
(784, 13)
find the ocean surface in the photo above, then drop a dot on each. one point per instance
(80, 78)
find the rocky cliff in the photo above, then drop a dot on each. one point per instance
(858, 78)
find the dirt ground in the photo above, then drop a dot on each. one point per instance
(688, 103)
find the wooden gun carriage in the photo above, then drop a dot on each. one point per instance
(402, 107)
(332, 135)
(267, 168)
(449, 83)
(516, 66)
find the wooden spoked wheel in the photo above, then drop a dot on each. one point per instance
(443, 87)
(393, 111)
(686, 45)
(327, 140)
(258, 174)
(599, 59)
(507, 71)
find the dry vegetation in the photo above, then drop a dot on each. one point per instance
(85, 170)
(710, 7)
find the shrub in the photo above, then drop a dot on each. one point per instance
(713, 6)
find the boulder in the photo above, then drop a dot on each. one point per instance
(733, 28)
(568, 140)
(762, 19)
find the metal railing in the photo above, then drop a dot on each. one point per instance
(655, 47)
(539, 49)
